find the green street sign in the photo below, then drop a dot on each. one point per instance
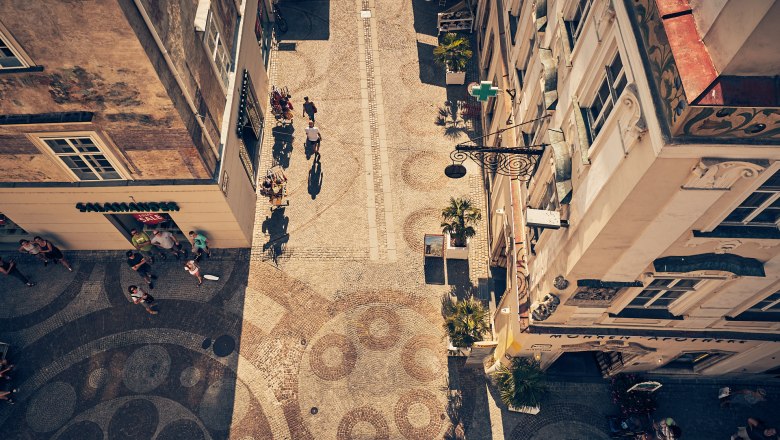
(483, 91)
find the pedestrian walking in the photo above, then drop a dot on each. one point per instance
(32, 248)
(143, 244)
(52, 253)
(313, 139)
(5, 367)
(200, 245)
(194, 270)
(165, 241)
(140, 296)
(139, 264)
(309, 108)
(8, 396)
(8, 267)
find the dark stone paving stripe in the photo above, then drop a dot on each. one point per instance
(60, 302)
(187, 316)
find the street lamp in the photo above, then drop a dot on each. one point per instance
(516, 162)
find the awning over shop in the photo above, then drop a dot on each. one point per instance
(725, 262)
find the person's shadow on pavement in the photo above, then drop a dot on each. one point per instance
(315, 178)
(283, 144)
(276, 227)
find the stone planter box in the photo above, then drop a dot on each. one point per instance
(458, 78)
(455, 252)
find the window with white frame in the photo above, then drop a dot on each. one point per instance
(575, 25)
(761, 208)
(218, 52)
(607, 95)
(9, 58)
(83, 157)
(654, 300)
(768, 309)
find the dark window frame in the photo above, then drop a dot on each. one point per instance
(577, 22)
(606, 97)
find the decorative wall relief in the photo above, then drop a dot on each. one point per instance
(715, 173)
(546, 308)
(731, 122)
(659, 60)
(635, 123)
(593, 296)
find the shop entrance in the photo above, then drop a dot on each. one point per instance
(148, 222)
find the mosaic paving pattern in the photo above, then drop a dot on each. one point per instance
(319, 342)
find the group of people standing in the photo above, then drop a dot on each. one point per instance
(42, 249)
(163, 243)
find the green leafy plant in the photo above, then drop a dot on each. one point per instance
(465, 321)
(458, 218)
(633, 402)
(453, 52)
(522, 383)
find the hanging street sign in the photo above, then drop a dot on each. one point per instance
(483, 91)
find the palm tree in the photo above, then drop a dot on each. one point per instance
(453, 52)
(458, 218)
(465, 321)
(521, 384)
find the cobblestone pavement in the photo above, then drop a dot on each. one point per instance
(326, 329)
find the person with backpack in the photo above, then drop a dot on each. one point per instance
(140, 296)
(309, 108)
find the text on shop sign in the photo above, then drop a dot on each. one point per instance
(128, 207)
(648, 338)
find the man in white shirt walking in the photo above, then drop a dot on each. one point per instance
(313, 138)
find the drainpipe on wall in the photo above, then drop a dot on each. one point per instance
(176, 76)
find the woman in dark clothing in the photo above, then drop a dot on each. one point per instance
(52, 252)
(9, 268)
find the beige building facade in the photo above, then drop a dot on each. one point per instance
(150, 116)
(660, 123)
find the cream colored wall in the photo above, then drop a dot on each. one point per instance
(740, 35)
(52, 212)
(628, 207)
(241, 196)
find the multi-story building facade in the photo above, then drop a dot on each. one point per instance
(660, 122)
(124, 114)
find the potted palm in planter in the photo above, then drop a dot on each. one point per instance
(465, 321)
(521, 385)
(453, 52)
(458, 218)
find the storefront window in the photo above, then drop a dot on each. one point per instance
(9, 231)
(249, 128)
(695, 360)
(263, 32)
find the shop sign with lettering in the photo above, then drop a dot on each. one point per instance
(128, 207)
(149, 219)
(648, 338)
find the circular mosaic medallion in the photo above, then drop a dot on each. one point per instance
(189, 377)
(419, 223)
(136, 419)
(378, 328)
(424, 171)
(146, 368)
(418, 415)
(98, 377)
(421, 358)
(181, 430)
(51, 407)
(84, 430)
(332, 357)
(357, 419)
